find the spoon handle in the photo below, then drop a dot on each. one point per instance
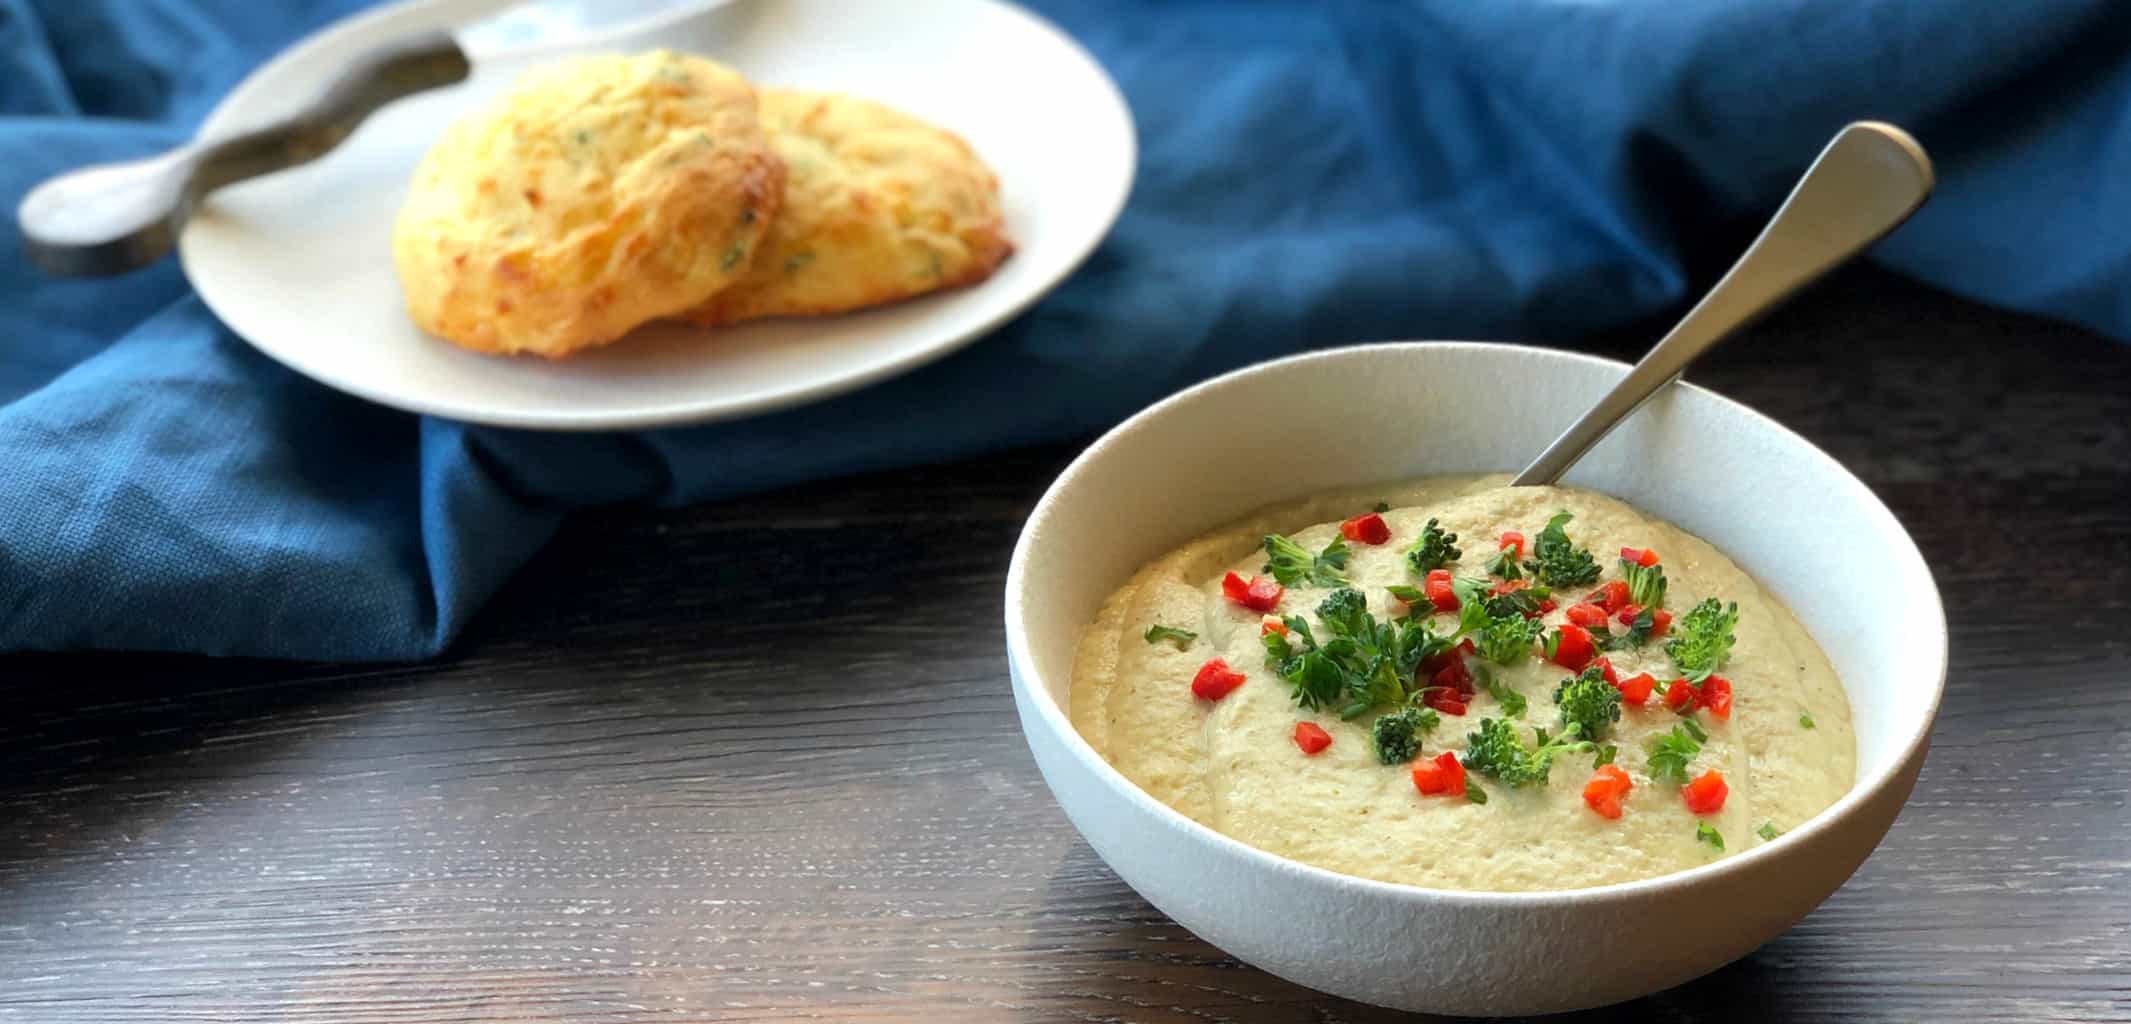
(1868, 180)
(112, 218)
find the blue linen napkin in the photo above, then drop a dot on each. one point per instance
(1312, 173)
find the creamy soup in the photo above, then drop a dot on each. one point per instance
(1459, 684)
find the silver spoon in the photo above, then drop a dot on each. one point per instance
(1868, 180)
(113, 218)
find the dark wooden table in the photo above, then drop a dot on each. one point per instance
(758, 761)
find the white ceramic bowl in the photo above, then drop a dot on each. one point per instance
(1785, 511)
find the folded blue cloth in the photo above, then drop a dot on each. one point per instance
(1312, 173)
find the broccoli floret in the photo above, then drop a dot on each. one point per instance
(1289, 564)
(1508, 639)
(1398, 735)
(1589, 705)
(1558, 562)
(1646, 583)
(1497, 750)
(1434, 549)
(1702, 639)
(1346, 613)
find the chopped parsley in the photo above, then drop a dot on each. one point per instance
(1504, 564)
(1397, 736)
(1703, 639)
(1556, 561)
(1646, 583)
(1589, 705)
(1606, 753)
(1410, 595)
(1513, 703)
(1497, 750)
(1523, 602)
(1805, 720)
(1381, 507)
(1290, 564)
(1670, 754)
(1433, 549)
(1768, 831)
(1637, 635)
(1182, 638)
(1708, 833)
(1694, 729)
(1473, 792)
(1362, 664)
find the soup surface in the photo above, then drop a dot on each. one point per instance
(1544, 689)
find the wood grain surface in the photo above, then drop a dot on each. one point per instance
(757, 761)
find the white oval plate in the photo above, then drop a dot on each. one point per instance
(299, 263)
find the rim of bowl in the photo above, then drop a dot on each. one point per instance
(1054, 716)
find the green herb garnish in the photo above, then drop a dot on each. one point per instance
(1513, 703)
(1558, 562)
(1703, 639)
(1768, 831)
(1646, 584)
(1694, 729)
(1504, 564)
(1523, 602)
(1708, 833)
(1497, 750)
(1410, 595)
(1473, 792)
(1637, 635)
(1290, 564)
(1433, 549)
(1670, 754)
(1381, 507)
(1805, 720)
(1606, 754)
(1589, 705)
(1182, 638)
(1362, 664)
(1397, 736)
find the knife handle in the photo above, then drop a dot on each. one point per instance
(112, 218)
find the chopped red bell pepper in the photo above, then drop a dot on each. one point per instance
(1441, 775)
(1715, 695)
(1613, 596)
(1680, 696)
(1660, 621)
(1589, 616)
(1574, 648)
(1640, 556)
(1437, 586)
(1215, 680)
(1515, 542)
(1367, 528)
(1444, 699)
(1546, 604)
(1455, 677)
(1705, 795)
(1257, 593)
(1311, 738)
(1605, 667)
(1636, 688)
(1602, 794)
(1502, 587)
(1272, 624)
(1628, 612)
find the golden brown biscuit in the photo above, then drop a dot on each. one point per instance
(596, 194)
(878, 206)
